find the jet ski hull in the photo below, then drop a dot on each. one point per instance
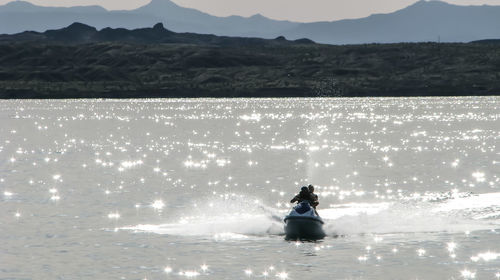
(310, 228)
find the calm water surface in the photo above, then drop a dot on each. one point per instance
(176, 189)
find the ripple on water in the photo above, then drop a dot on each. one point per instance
(205, 183)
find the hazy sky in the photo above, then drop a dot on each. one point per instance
(295, 10)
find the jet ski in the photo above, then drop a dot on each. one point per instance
(303, 223)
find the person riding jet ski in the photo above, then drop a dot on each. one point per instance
(304, 194)
(307, 194)
(315, 201)
(303, 222)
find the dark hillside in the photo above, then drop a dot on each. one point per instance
(47, 65)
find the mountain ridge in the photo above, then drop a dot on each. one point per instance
(28, 6)
(79, 33)
(420, 22)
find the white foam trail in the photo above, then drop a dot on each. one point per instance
(475, 202)
(221, 227)
(452, 215)
(229, 218)
(353, 209)
(400, 221)
(455, 214)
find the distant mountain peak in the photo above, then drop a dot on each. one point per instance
(19, 6)
(24, 6)
(159, 26)
(428, 3)
(258, 16)
(80, 27)
(161, 3)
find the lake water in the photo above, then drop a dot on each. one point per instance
(197, 188)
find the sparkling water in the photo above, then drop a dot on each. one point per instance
(198, 188)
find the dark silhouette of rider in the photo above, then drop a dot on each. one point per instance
(307, 194)
(304, 194)
(314, 201)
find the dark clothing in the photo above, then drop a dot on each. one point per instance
(306, 195)
(314, 201)
(303, 195)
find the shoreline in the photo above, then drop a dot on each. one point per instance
(144, 97)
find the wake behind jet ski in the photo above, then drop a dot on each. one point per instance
(303, 222)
